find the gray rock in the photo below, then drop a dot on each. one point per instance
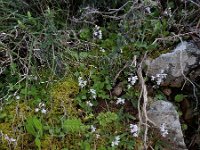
(182, 60)
(163, 112)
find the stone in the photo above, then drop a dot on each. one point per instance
(182, 60)
(163, 112)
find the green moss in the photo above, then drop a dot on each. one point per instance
(63, 94)
(12, 124)
(157, 53)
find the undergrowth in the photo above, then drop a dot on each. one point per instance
(61, 64)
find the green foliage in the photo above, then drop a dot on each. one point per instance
(184, 127)
(179, 97)
(73, 125)
(85, 34)
(85, 146)
(34, 127)
(160, 96)
(107, 118)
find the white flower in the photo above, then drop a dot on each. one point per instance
(152, 78)
(37, 109)
(7, 138)
(82, 83)
(132, 79)
(41, 105)
(12, 140)
(163, 130)
(134, 130)
(44, 111)
(17, 97)
(168, 12)
(116, 141)
(97, 34)
(93, 93)
(159, 77)
(93, 128)
(129, 86)
(148, 9)
(102, 50)
(120, 101)
(97, 136)
(89, 103)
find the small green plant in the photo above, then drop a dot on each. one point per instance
(73, 125)
(35, 128)
(179, 97)
(107, 118)
(85, 34)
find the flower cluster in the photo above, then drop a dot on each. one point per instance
(163, 130)
(41, 107)
(116, 141)
(102, 50)
(97, 34)
(134, 130)
(120, 101)
(89, 103)
(159, 77)
(9, 139)
(93, 93)
(132, 79)
(82, 83)
(168, 12)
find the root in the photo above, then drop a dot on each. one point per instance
(143, 118)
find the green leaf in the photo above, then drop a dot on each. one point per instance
(29, 15)
(38, 143)
(38, 125)
(85, 146)
(107, 118)
(2, 115)
(34, 126)
(73, 125)
(184, 126)
(85, 34)
(179, 97)
(30, 128)
(83, 55)
(21, 25)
